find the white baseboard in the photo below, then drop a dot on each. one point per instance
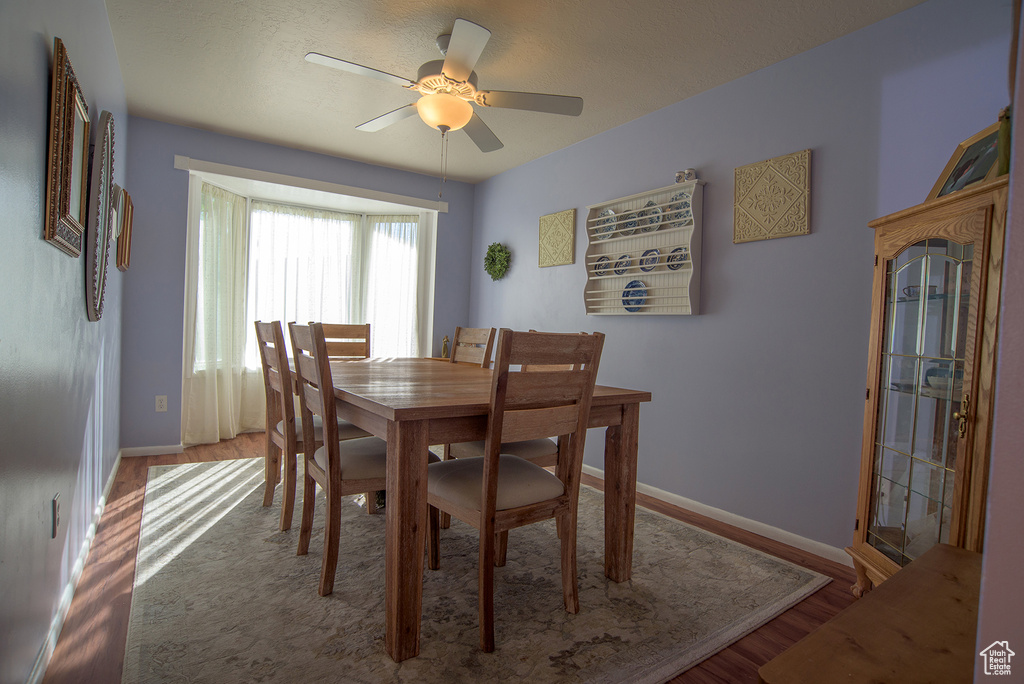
(129, 452)
(46, 651)
(826, 551)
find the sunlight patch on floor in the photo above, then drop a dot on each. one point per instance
(209, 499)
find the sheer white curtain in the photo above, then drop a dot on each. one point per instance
(220, 396)
(303, 266)
(393, 285)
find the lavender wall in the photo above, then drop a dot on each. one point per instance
(1001, 614)
(154, 286)
(59, 373)
(758, 401)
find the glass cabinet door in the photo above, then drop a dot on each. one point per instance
(921, 397)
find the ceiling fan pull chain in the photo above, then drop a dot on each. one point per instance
(444, 158)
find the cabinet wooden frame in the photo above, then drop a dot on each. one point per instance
(980, 209)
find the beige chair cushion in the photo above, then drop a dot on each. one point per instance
(346, 430)
(361, 459)
(520, 483)
(528, 449)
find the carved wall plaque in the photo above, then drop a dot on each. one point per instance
(558, 238)
(773, 198)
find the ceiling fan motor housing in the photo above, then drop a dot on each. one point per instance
(430, 80)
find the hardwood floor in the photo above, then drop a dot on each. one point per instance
(91, 644)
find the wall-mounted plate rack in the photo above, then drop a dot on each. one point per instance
(643, 253)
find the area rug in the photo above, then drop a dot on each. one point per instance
(220, 596)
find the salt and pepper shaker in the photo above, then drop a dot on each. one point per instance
(687, 175)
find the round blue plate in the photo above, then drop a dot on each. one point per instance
(676, 258)
(634, 295)
(650, 217)
(649, 260)
(605, 226)
(679, 213)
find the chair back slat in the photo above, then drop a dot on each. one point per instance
(347, 340)
(277, 377)
(539, 422)
(543, 388)
(473, 345)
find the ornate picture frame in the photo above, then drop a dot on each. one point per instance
(974, 160)
(124, 234)
(101, 216)
(68, 156)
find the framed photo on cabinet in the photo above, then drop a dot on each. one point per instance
(974, 160)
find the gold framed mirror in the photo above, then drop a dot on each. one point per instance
(67, 173)
(101, 216)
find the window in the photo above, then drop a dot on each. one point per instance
(254, 259)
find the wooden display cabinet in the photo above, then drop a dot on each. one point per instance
(928, 412)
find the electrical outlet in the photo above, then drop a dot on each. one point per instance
(161, 403)
(55, 515)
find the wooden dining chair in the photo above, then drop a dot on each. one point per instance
(543, 450)
(473, 345)
(497, 492)
(284, 434)
(340, 467)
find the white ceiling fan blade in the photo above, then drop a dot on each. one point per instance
(480, 134)
(464, 49)
(353, 68)
(533, 102)
(385, 120)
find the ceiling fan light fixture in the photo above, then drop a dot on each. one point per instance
(442, 109)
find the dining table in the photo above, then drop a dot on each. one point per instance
(413, 403)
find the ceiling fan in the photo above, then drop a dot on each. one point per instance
(448, 86)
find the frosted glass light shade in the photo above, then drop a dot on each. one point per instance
(441, 109)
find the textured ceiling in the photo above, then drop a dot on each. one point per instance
(237, 66)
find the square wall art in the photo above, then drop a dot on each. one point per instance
(773, 198)
(557, 239)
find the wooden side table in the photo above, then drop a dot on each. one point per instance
(917, 626)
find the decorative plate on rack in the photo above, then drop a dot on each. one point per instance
(623, 264)
(649, 260)
(632, 222)
(602, 265)
(679, 212)
(634, 296)
(650, 217)
(676, 258)
(605, 226)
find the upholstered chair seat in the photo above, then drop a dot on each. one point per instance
(520, 483)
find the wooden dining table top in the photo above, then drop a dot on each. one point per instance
(420, 388)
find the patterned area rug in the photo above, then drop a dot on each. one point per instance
(220, 596)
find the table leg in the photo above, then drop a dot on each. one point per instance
(620, 454)
(406, 512)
